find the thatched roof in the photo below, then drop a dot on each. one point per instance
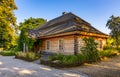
(64, 24)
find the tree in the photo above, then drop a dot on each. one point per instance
(90, 49)
(25, 43)
(114, 25)
(7, 23)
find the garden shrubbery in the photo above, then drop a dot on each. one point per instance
(68, 59)
(7, 53)
(110, 52)
(28, 56)
(61, 60)
(90, 49)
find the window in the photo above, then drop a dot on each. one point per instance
(61, 46)
(47, 45)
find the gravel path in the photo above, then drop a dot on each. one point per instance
(10, 67)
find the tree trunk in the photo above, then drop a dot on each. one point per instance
(24, 48)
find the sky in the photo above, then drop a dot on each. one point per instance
(96, 12)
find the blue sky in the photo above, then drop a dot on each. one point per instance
(96, 12)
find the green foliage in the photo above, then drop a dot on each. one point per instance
(81, 58)
(7, 53)
(25, 39)
(20, 54)
(114, 25)
(31, 23)
(109, 43)
(90, 49)
(68, 59)
(109, 52)
(27, 25)
(8, 25)
(29, 56)
(56, 57)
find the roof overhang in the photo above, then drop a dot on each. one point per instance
(75, 33)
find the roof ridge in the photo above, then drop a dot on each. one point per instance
(53, 20)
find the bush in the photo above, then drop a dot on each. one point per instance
(90, 49)
(81, 58)
(56, 57)
(7, 53)
(108, 53)
(68, 59)
(29, 56)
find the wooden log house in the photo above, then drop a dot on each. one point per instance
(64, 34)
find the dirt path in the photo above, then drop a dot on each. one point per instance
(10, 67)
(108, 68)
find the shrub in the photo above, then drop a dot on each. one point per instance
(108, 53)
(56, 57)
(81, 58)
(68, 59)
(29, 56)
(90, 49)
(7, 53)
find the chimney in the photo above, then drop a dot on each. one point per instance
(63, 13)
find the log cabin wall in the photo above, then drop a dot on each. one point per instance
(68, 44)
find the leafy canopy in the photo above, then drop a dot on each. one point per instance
(7, 23)
(28, 24)
(114, 25)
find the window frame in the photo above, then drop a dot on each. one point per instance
(61, 45)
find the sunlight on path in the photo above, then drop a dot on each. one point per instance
(10, 67)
